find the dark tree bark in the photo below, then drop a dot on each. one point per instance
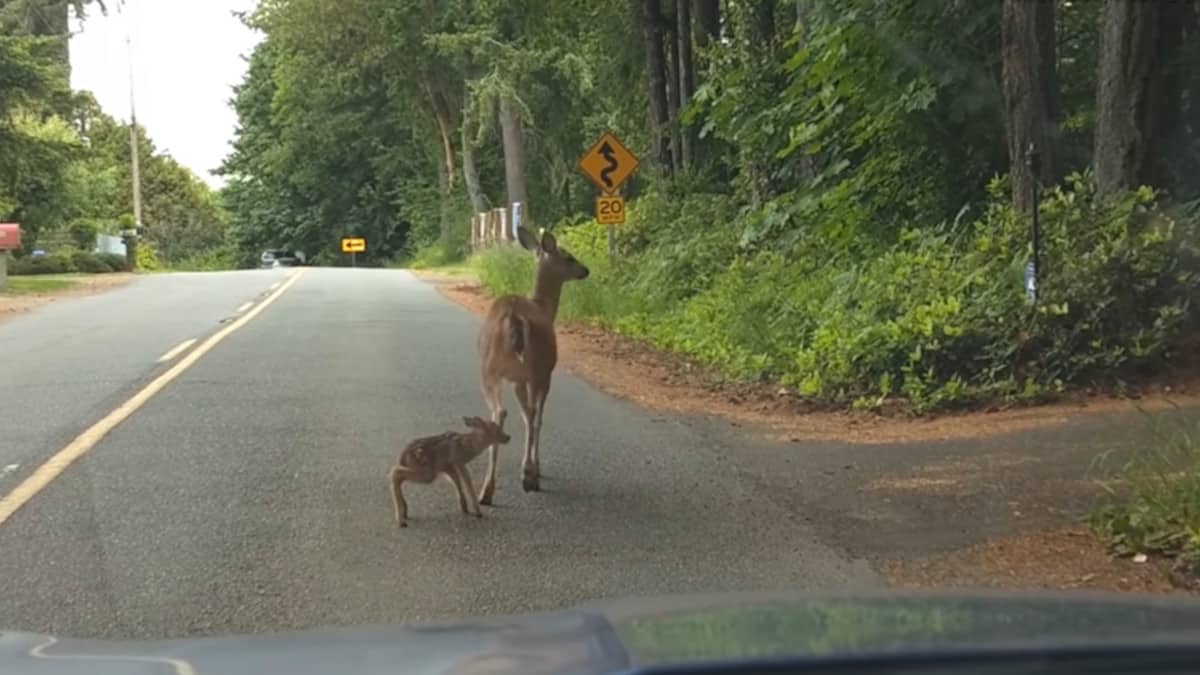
(470, 170)
(687, 77)
(708, 20)
(674, 100)
(762, 24)
(650, 18)
(1130, 92)
(1030, 93)
(513, 140)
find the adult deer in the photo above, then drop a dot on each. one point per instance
(517, 345)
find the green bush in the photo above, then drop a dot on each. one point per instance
(1154, 497)
(89, 263)
(146, 257)
(938, 318)
(437, 254)
(115, 261)
(212, 260)
(83, 233)
(56, 263)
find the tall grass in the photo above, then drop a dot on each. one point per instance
(1153, 503)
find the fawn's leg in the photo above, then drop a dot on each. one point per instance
(465, 477)
(399, 475)
(528, 466)
(494, 396)
(452, 476)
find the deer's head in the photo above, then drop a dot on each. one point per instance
(493, 432)
(552, 259)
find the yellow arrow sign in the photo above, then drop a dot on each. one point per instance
(608, 163)
(354, 245)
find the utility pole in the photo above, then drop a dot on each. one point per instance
(134, 171)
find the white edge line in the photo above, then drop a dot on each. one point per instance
(245, 306)
(176, 350)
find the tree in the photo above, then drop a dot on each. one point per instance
(1138, 44)
(1030, 94)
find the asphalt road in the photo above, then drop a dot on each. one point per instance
(250, 494)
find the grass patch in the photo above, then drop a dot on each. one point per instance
(1153, 503)
(39, 284)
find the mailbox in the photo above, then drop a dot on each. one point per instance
(10, 236)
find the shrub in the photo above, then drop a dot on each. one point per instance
(146, 257)
(57, 263)
(115, 261)
(437, 254)
(89, 263)
(212, 260)
(1154, 496)
(83, 233)
(939, 317)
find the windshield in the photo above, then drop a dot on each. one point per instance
(331, 314)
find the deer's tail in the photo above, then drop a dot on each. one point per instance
(518, 334)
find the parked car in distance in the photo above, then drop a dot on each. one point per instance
(278, 257)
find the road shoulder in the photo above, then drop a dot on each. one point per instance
(28, 293)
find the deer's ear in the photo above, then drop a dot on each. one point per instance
(527, 239)
(549, 243)
(471, 422)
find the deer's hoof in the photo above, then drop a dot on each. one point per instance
(485, 500)
(478, 514)
(530, 483)
(404, 523)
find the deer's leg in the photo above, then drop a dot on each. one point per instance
(452, 476)
(399, 475)
(528, 466)
(494, 397)
(531, 480)
(465, 477)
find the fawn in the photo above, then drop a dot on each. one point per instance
(517, 345)
(425, 458)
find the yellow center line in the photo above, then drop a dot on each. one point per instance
(176, 350)
(47, 472)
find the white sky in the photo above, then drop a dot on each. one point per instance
(187, 54)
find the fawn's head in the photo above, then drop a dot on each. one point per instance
(550, 258)
(492, 432)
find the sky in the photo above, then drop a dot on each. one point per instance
(187, 56)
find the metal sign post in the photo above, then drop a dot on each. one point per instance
(1033, 269)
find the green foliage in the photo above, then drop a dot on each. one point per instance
(34, 285)
(115, 262)
(83, 234)
(939, 318)
(210, 260)
(146, 257)
(66, 262)
(1154, 496)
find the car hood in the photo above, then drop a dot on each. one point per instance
(611, 636)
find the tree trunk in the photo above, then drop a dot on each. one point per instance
(675, 76)
(470, 170)
(513, 141)
(708, 20)
(762, 28)
(445, 124)
(687, 78)
(1030, 93)
(1128, 93)
(656, 79)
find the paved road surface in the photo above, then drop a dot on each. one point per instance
(250, 493)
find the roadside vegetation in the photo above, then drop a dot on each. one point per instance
(65, 176)
(1153, 504)
(833, 198)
